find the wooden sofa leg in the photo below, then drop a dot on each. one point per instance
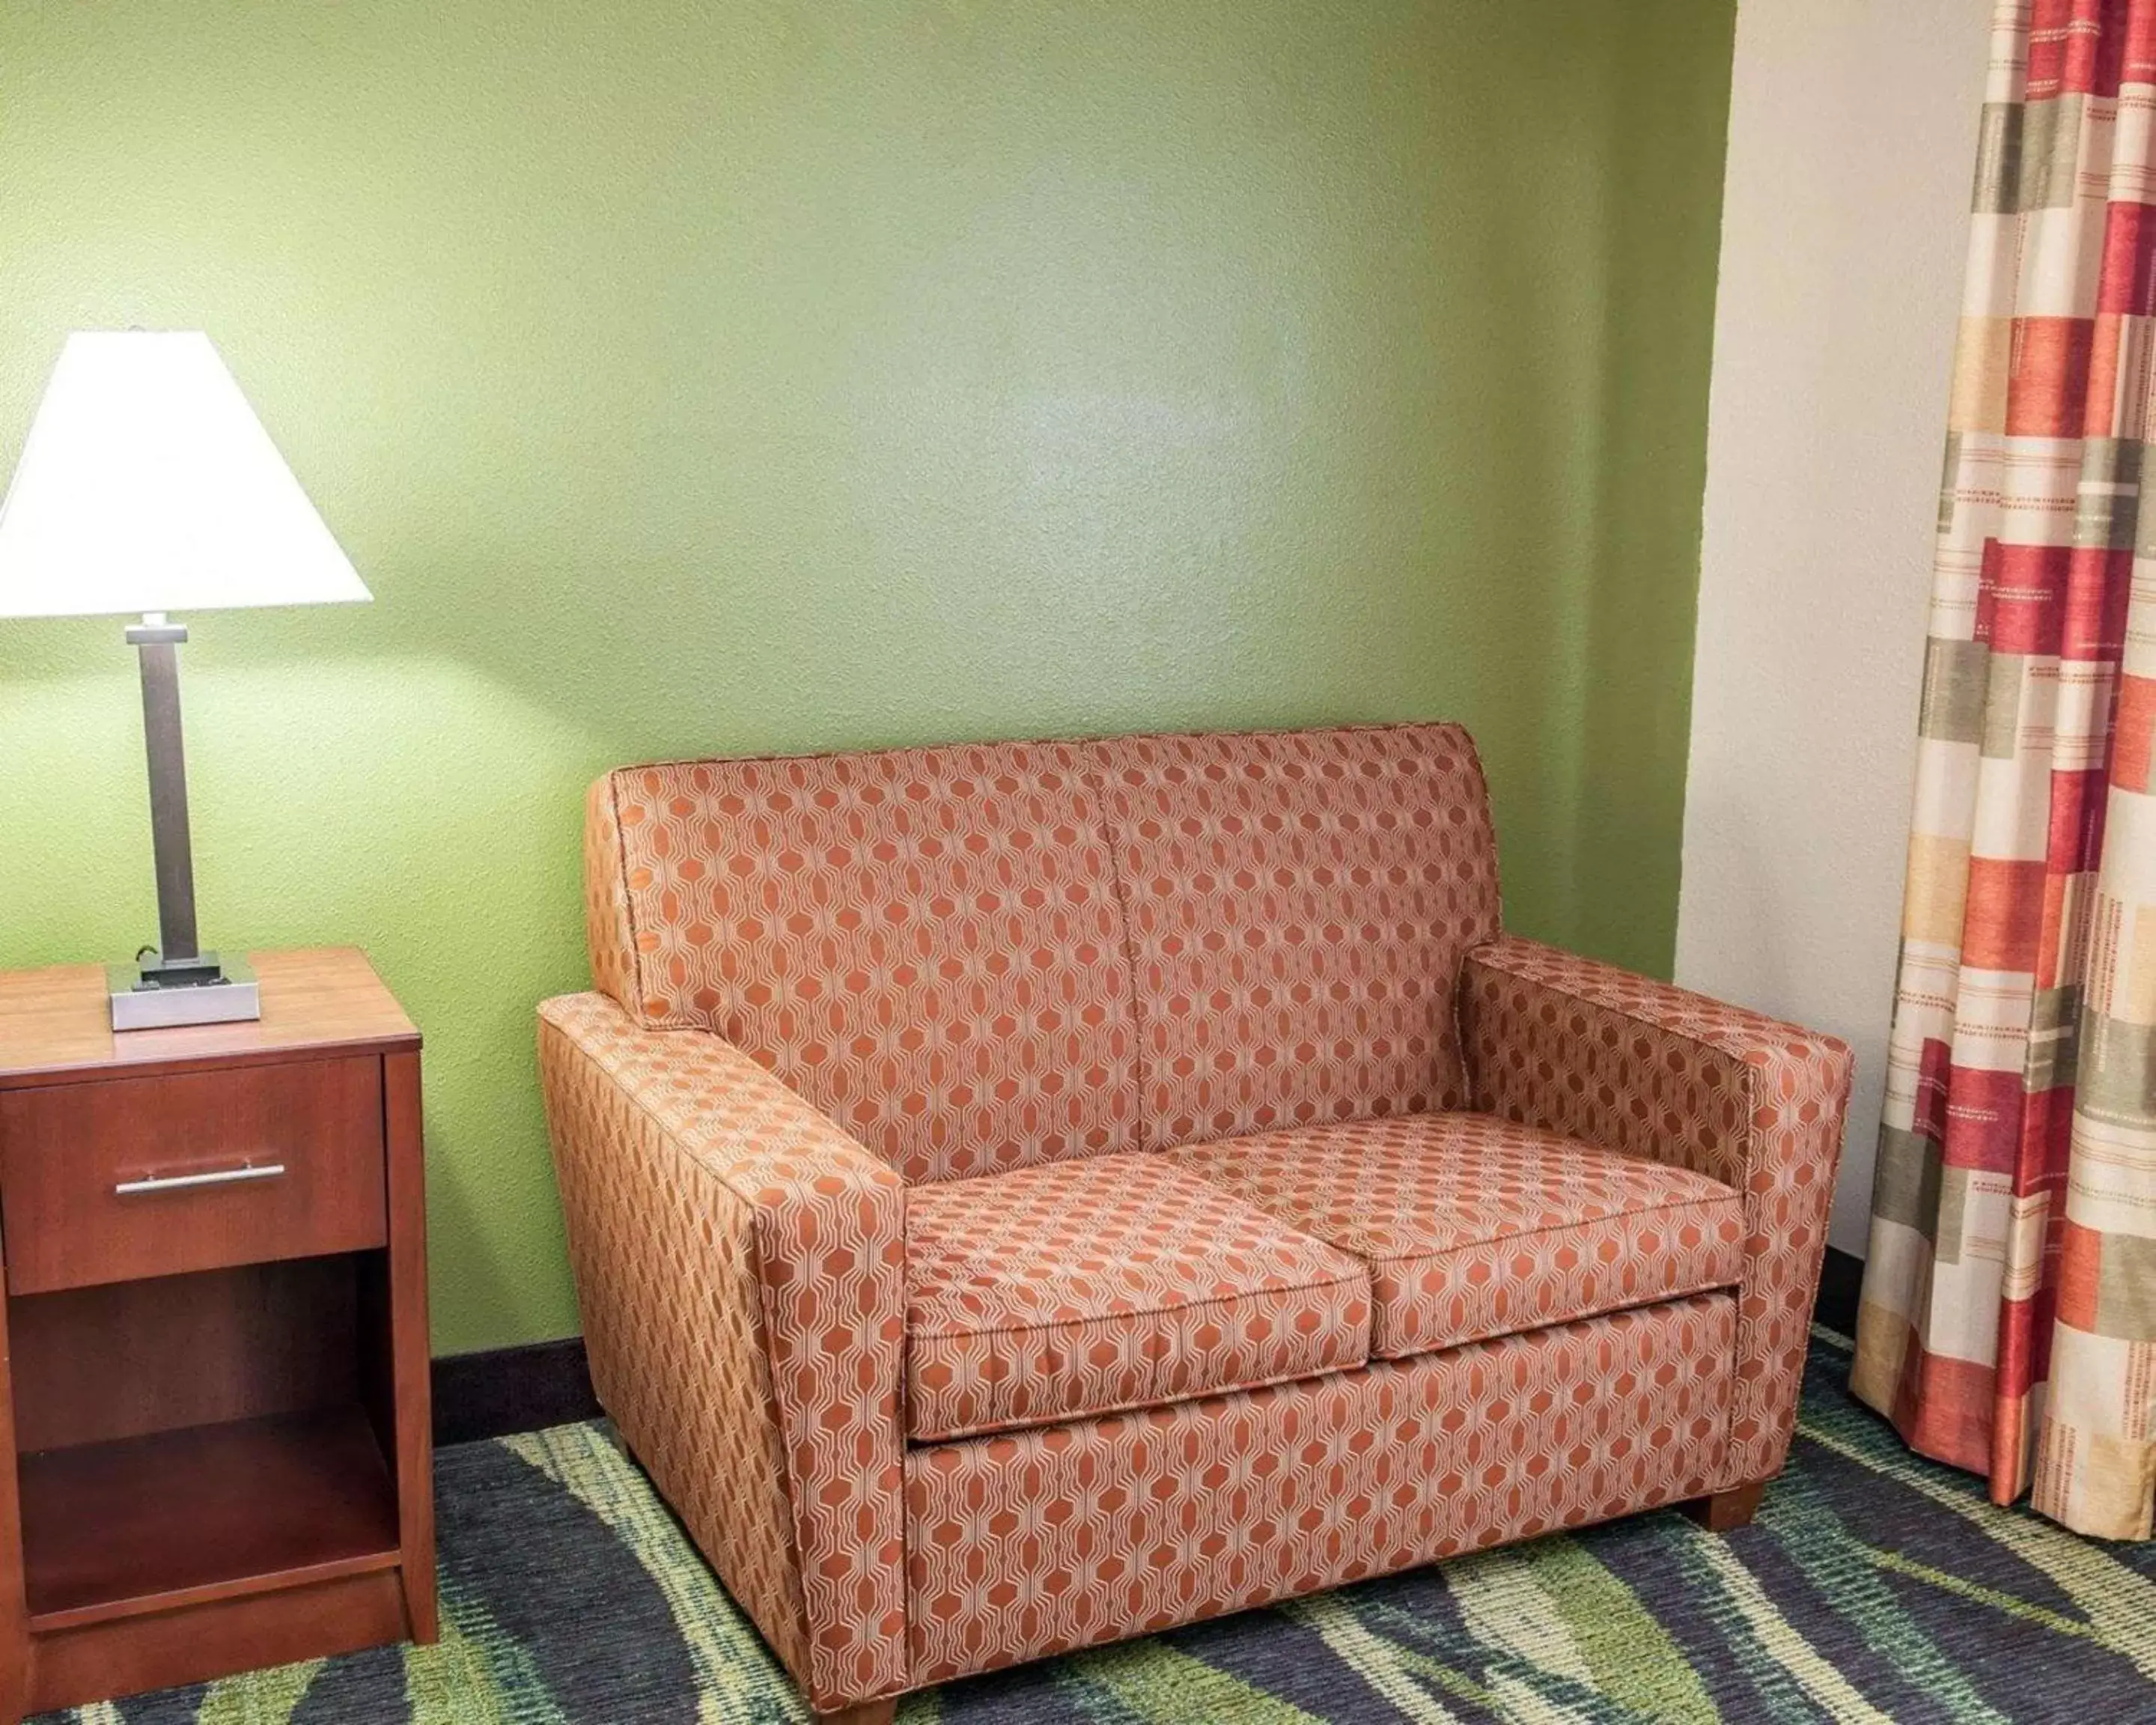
(1727, 1510)
(869, 1712)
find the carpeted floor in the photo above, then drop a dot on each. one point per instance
(1873, 1587)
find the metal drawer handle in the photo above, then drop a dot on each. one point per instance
(215, 1177)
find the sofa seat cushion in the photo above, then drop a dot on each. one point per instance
(1078, 1288)
(1475, 1227)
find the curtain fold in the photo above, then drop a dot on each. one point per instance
(2008, 1323)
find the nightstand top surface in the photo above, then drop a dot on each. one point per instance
(55, 1023)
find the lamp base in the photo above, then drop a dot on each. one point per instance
(156, 996)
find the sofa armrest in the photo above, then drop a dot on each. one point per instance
(1646, 1068)
(740, 1269)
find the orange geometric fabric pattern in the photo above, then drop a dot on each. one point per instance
(1032, 979)
(1036, 1543)
(1473, 1227)
(665, 1270)
(607, 934)
(1114, 1282)
(743, 1265)
(1649, 1069)
(1298, 904)
(926, 943)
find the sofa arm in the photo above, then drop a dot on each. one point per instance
(1650, 1070)
(740, 1269)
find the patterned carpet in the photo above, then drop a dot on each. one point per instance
(1873, 1587)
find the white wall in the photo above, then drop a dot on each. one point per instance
(1852, 138)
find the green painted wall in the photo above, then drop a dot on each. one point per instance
(760, 375)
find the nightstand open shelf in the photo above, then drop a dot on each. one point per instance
(205, 1512)
(215, 1448)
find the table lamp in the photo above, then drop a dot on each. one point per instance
(147, 486)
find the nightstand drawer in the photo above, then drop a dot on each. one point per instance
(143, 1177)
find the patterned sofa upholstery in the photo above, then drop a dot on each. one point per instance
(1023, 1195)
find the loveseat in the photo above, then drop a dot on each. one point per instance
(1023, 1195)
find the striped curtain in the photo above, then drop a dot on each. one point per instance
(2009, 1316)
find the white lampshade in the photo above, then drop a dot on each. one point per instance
(147, 483)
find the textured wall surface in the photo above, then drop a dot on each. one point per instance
(692, 378)
(1840, 283)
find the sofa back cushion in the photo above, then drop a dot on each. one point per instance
(982, 957)
(926, 943)
(1298, 905)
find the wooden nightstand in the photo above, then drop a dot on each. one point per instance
(213, 1384)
